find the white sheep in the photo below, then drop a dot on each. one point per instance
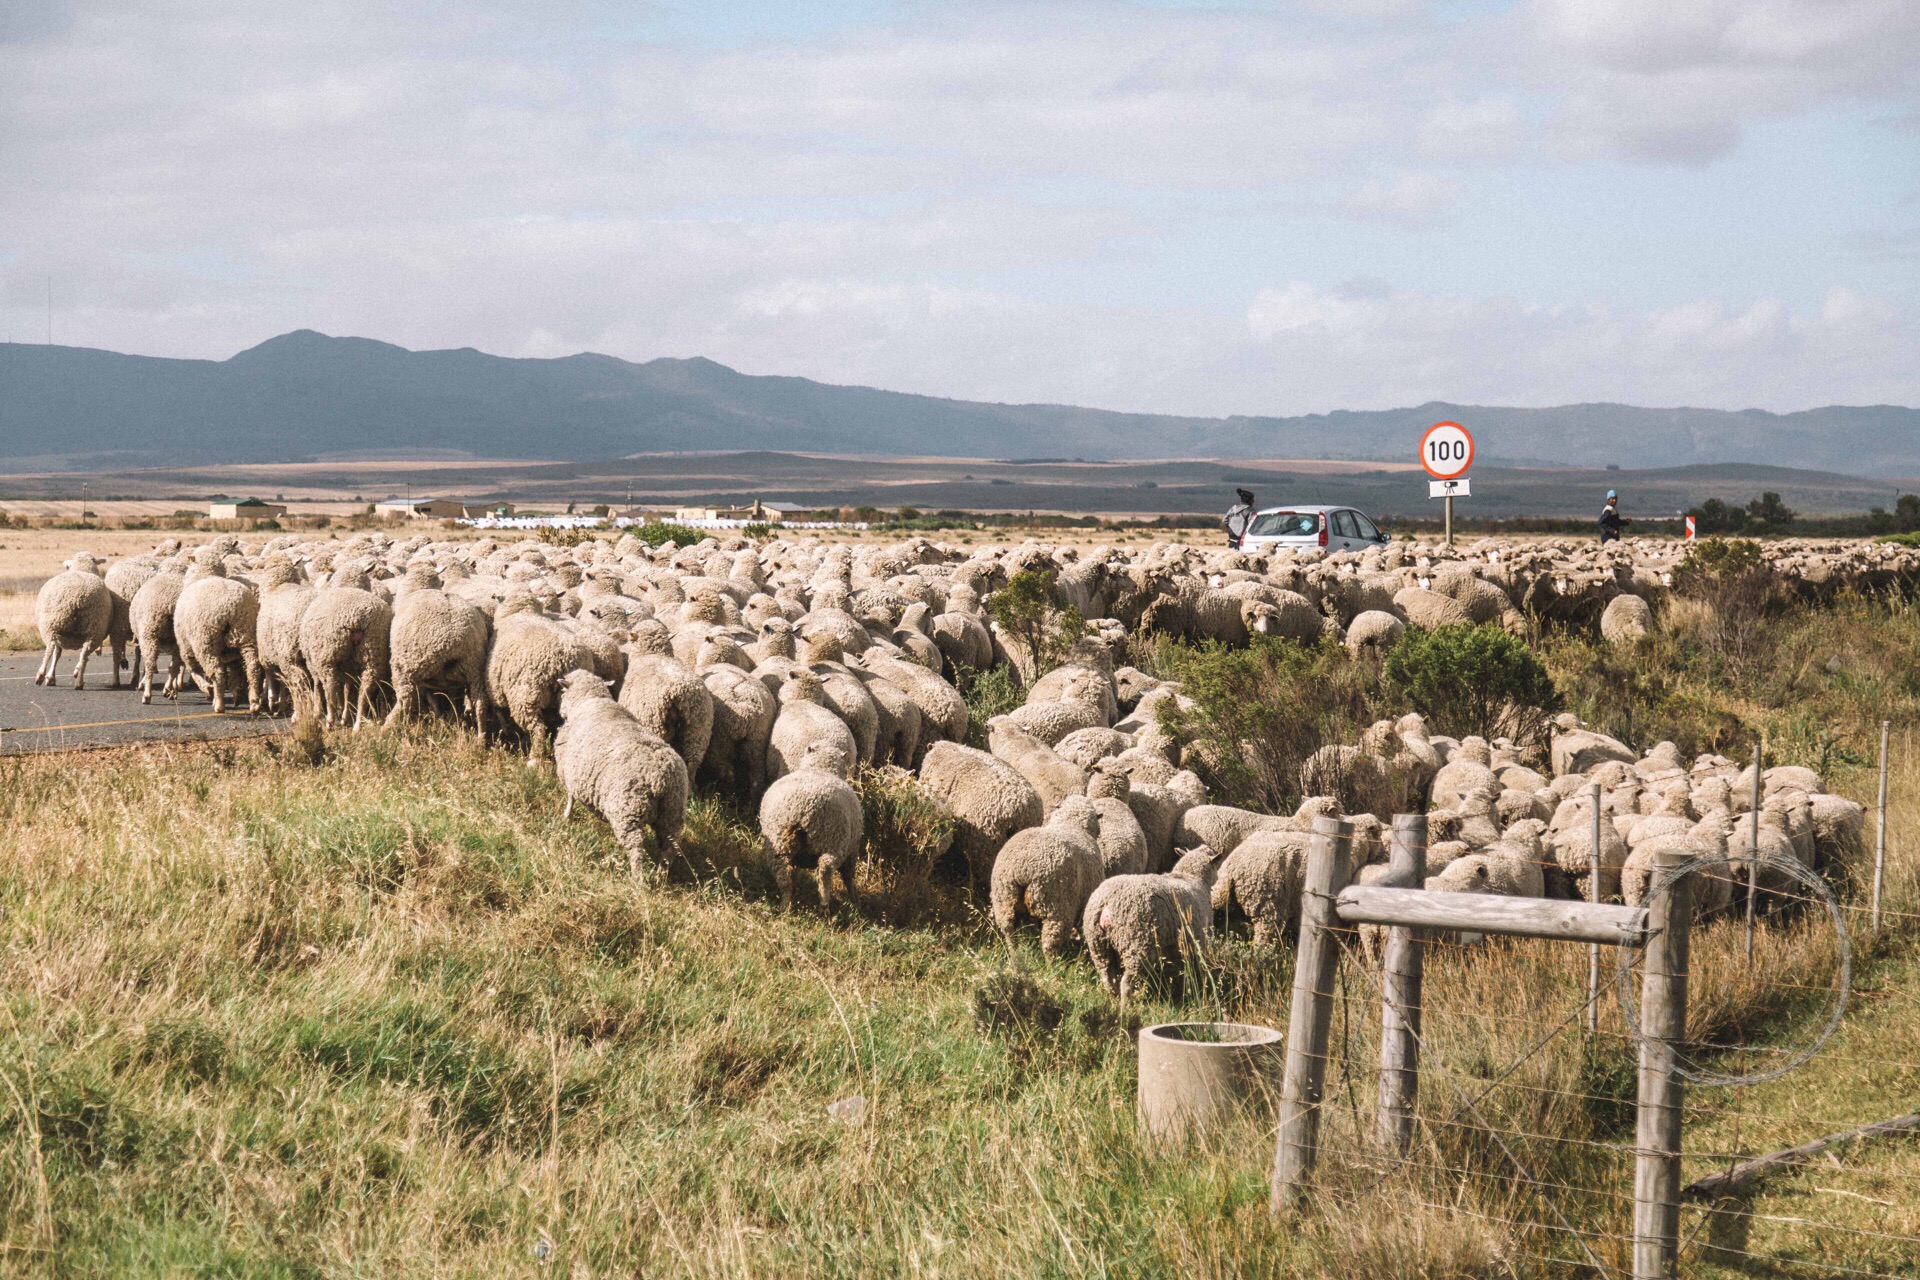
(989, 799)
(1135, 924)
(216, 624)
(811, 817)
(607, 761)
(1047, 873)
(75, 611)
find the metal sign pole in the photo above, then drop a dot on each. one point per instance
(1449, 501)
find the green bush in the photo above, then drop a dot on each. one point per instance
(906, 828)
(989, 693)
(1025, 611)
(1737, 582)
(1474, 680)
(1259, 712)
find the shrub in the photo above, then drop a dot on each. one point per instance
(989, 693)
(1026, 614)
(1735, 580)
(656, 532)
(906, 828)
(1259, 712)
(1474, 680)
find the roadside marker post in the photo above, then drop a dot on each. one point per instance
(1446, 451)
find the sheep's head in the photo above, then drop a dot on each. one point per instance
(1199, 863)
(576, 688)
(1109, 781)
(1076, 813)
(650, 636)
(827, 757)
(825, 646)
(803, 686)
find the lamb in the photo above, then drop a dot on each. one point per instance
(811, 817)
(439, 643)
(216, 623)
(1047, 873)
(1135, 924)
(806, 717)
(75, 611)
(344, 635)
(989, 799)
(1263, 878)
(607, 761)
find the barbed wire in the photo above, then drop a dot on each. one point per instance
(1663, 882)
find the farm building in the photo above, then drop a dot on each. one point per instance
(244, 509)
(438, 509)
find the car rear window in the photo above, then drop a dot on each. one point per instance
(1285, 524)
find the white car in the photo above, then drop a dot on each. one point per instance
(1311, 527)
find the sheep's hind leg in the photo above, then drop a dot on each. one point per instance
(49, 662)
(783, 877)
(80, 667)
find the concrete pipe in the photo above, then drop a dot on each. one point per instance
(1196, 1076)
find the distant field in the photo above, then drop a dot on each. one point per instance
(1139, 488)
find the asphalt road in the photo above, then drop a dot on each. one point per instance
(33, 718)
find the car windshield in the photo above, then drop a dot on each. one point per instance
(1285, 524)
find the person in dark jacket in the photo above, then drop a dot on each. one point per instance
(1238, 518)
(1611, 521)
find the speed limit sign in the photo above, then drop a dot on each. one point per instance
(1446, 451)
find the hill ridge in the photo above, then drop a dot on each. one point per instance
(305, 393)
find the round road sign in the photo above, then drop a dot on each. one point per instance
(1446, 451)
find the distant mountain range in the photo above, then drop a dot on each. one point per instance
(305, 395)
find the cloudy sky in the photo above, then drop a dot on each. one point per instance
(1206, 208)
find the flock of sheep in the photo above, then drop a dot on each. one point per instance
(776, 669)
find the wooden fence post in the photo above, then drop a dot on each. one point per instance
(1663, 1026)
(1402, 961)
(1880, 828)
(1593, 895)
(1297, 1147)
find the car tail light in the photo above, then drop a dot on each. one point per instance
(1323, 531)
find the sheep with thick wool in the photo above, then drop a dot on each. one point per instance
(1134, 925)
(1053, 776)
(1261, 879)
(989, 798)
(150, 613)
(439, 645)
(811, 818)
(344, 637)
(606, 760)
(1047, 873)
(743, 715)
(671, 701)
(216, 622)
(806, 717)
(1122, 840)
(530, 654)
(74, 611)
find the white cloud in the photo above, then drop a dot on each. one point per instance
(1411, 199)
(1002, 201)
(1405, 348)
(1667, 81)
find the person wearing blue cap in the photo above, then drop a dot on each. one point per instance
(1611, 521)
